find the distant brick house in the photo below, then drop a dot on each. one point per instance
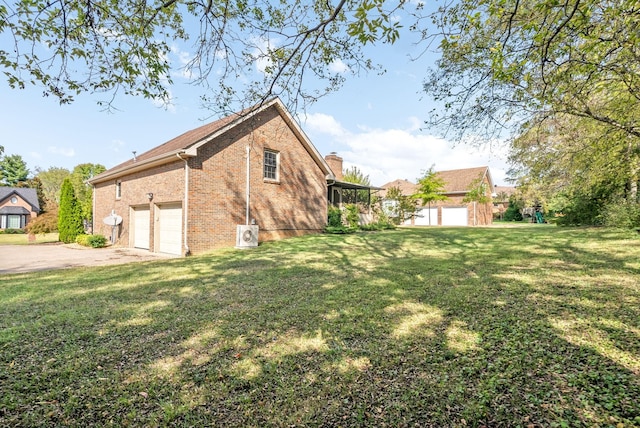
(453, 211)
(189, 194)
(18, 206)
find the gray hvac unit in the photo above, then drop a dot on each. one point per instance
(246, 236)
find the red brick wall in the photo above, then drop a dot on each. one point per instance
(166, 182)
(296, 204)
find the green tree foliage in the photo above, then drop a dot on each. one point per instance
(83, 191)
(507, 59)
(430, 188)
(69, 214)
(478, 193)
(561, 77)
(35, 183)
(578, 166)
(399, 207)
(104, 46)
(514, 210)
(52, 180)
(354, 175)
(13, 169)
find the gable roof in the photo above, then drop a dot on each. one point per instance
(187, 144)
(461, 180)
(456, 181)
(27, 194)
(406, 187)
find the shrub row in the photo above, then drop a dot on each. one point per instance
(12, 231)
(95, 241)
(336, 225)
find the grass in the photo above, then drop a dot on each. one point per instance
(23, 238)
(413, 327)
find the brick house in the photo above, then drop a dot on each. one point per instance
(453, 211)
(189, 194)
(18, 206)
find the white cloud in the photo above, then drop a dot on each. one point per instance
(187, 64)
(389, 154)
(260, 51)
(61, 151)
(324, 124)
(338, 66)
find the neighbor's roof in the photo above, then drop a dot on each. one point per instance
(406, 187)
(14, 210)
(509, 190)
(187, 144)
(28, 194)
(455, 180)
(461, 180)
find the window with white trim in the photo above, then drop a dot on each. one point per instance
(118, 189)
(271, 165)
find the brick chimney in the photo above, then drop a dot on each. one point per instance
(335, 163)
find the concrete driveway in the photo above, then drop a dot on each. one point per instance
(31, 258)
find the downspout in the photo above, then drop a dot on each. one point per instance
(248, 189)
(186, 202)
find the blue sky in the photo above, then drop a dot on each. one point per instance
(375, 122)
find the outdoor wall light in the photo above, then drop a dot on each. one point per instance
(150, 195)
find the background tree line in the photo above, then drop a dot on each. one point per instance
(49, 184)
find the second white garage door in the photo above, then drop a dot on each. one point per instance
(455, 216)
(170, 229)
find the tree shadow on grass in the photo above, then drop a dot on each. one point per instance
(429, 327)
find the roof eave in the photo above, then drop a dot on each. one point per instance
(141, 166)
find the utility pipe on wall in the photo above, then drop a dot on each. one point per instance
(186, 202)
(248, 190)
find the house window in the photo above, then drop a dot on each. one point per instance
(271, 164)
(13, 222)
(118, 189)
(14, 200)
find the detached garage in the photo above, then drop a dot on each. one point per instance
(458, 208)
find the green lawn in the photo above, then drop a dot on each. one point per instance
(23, 238)
(529, 326)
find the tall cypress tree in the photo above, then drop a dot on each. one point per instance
(69, 215)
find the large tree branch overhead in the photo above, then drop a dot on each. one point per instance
(100, 46)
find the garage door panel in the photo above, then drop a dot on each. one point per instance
(427, 217)
(457, 216)
(141, 228)
(170, 229)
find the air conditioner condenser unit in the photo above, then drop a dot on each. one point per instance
(246, 236)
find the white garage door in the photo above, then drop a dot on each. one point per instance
(170, 229)
(454, 216)
(141, 227)
(423, 219)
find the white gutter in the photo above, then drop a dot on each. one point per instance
(186, 202)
